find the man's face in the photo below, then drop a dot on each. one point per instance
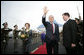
(65, 17)
(77, 21)
(5, 25)
(16, 27)
(51, 18)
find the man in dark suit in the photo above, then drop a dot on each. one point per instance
(79, 45)
(69, 34)
(4, 37)
(52, 33)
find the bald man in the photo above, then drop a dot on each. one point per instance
(52, 33)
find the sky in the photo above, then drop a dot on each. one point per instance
(21, 12)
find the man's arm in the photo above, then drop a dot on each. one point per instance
(73, 31)
(43, 20)
(9, 30)
(44, 16)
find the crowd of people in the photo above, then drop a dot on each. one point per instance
(72, 35)
(26, 35)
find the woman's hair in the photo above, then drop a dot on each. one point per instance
(28, 24)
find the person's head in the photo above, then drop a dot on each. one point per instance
(77, 20)
(23, 28)
(66, 16)
(5, 25)
(16, 27)
(27, 25)
(51, 18)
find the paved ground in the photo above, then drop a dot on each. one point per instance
(19, 49)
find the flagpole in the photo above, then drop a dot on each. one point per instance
(79, 14)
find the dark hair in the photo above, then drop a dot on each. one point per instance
(66, 14)
(15, 25)
(28, 24)
(77, 19)
(5, 23)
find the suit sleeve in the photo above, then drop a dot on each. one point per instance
(74, 31)
(44, 20)
(58, 32)
(9, 29)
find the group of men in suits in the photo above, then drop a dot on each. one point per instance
(52, 33)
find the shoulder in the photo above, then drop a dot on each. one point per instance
(73, 21)
(48, 22)
(30, 30)
(56, 24)
(2, 28)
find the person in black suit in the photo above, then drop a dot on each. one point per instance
(69, 34)
(79, 45)
(4, 37)
(52, 33)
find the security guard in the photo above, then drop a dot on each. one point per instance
(79, 36)
(4, 36)
(15, 34)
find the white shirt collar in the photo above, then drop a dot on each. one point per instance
(51, 23)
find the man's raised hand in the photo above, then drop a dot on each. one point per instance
(45, 10)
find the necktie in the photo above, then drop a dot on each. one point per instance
(53, 31)
(53, 28)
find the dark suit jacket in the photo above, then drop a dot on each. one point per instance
(49, 31)
(4, 33)
(69, 33)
